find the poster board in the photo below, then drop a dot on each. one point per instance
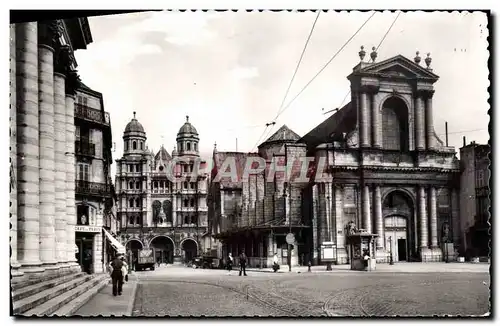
(328, 251)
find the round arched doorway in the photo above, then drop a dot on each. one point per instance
(164, 249)
(398, 214)
(133, 247)
(189, 249)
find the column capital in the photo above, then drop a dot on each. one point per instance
(62, 60)
(72, 82)
(369, 89)
(49, 32)
(424, 93)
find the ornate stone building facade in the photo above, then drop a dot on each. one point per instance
(43, 83)
(377, 163)
(157, 208)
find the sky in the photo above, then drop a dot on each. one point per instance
(229, 71)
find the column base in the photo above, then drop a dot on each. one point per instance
(426, 254)
(342, 256)
(437, 254)
(382, 256)
(448, 250)
(177, 260)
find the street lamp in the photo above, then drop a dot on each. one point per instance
(446, 247)
(391, 260)
(289, 256)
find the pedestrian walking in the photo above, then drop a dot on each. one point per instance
(117, 275)
(243, 263)
(229, 263)
(124, 269)
(276, 266)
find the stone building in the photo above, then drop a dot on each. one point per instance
(157, 208)
(377, 163)
(43, 84)
(474, 200)
(94, 188)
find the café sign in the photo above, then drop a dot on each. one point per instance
(86, 228)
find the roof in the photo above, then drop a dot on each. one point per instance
(283, 135)
(163, 155)
(344, 120)
(187, 128)
(134, 126)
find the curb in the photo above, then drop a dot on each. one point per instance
(131, 302)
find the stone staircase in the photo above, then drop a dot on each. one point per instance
(56, 296)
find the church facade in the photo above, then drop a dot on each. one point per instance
(377, 163)
(162, 197)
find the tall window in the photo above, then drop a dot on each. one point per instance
(81, 100)
(185, 185)
(83, 171)
(138, 202)
(192, 202)
(142, 146)
(195, 146)
(131, 185)
(126, 145)
(134, 145)
(188, 146)
(131, 202)
(395, 125)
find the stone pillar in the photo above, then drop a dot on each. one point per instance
(424, 240)
(367, 222)
(419, 122)
(433, 216)
(60, 166)
(47, 148)
(375, 118)
(97, 259)
(379, 220)
(28, 165)
(70, 168)
(13, 152)
(431, 144)
(328, 211)
(339, 225)
(364, 121)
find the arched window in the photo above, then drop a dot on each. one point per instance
(138, 202)
(188, 146)
(186, 202)
(131, 220)
(192, 202)
(156, 211)
(181, 147)
(131, 202)
(139, 219)
(395, 135)
(194, 219)
(126, 145)
(195, 146)
(187, 220)
(142, 146)
(137, 185)
(134, 145)
(167, 209)
(131, 185)
(185, 184)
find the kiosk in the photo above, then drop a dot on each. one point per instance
(363, 250)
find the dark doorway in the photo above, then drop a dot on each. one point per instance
(402, 250)
(84, 256)
(164, 249)
(190, 249)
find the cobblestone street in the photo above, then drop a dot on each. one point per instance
(188, 292)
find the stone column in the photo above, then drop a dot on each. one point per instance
(419, 122)
(71, 85)
(364, 119)
(367, 222)
(28, 167)
(339, 225)
(379, 220)
(424, 240)
(429, 121)
(13, 150)
(433, 216)
(97, 259)
(328, 210)
(60, 160)
(375, 119)
(47, 148)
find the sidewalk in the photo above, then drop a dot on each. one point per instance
(403, 267)
(105, 304)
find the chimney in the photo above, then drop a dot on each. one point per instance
(465, 141)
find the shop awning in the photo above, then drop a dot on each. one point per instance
(120, 249)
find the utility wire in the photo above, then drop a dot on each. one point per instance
(376, 50)
(273, 122)
(326, 65)
(298, 65)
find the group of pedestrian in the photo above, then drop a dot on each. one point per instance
(118, 269)
(242, 261)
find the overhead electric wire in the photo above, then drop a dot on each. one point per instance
(273, 122)
(376, 49)
(326, 65)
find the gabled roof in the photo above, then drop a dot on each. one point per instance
(344, 120)
(283, 135)
(397, 66)
(163, 155)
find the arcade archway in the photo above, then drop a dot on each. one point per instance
(398, 225)
(189, 249)
(133, 247)
(395, 129)
(164, 249)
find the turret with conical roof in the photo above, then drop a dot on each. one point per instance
(188, 139)
(134, 138)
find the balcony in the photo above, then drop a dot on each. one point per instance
(89, 114)
(87, 188)
(84, 148)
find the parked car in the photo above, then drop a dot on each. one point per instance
(205, 262)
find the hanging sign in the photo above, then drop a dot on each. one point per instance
(86, 228)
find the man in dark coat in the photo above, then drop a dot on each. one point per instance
(117, 275)
(243, 263)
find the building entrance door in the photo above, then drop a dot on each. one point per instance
(84, 256)
(402, 249)
(395, 237)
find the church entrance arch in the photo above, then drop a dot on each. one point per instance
(164, 249)
(189, 249)
(398, 215)
(133, 247)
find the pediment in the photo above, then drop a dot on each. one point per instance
(399, 66)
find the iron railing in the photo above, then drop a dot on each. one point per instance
(92, 188)
(84, 148)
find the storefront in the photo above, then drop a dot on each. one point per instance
(88, 240)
